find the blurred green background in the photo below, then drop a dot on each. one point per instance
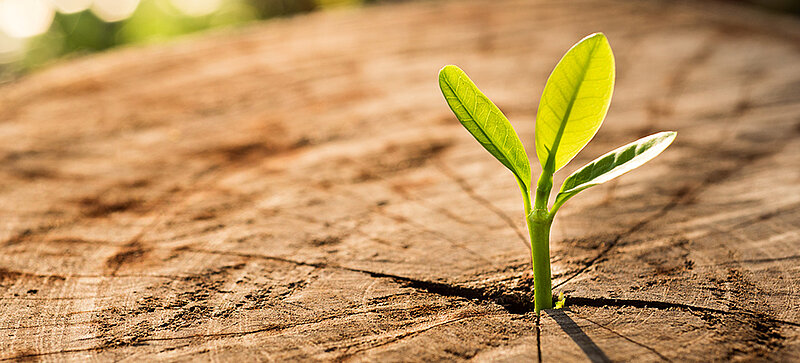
(36, 32)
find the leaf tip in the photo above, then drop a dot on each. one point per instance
(448, 74)
(670, 135)
(447, 69)
(598, 37)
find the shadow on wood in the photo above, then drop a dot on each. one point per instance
(592, 351)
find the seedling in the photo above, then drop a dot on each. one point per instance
(573, 105)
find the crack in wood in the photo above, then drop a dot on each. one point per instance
(470, 192)
(420, 227)
(612, 331)
(638, 226)
(513, 304)
(22, 357)
(406, 334)
(684, 194)
(729, 91)
(663, 305)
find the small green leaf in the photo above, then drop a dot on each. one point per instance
(561, 301)
(574, 102)
(614, 164)
(484, 121)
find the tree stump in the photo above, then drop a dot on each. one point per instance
(299, 190)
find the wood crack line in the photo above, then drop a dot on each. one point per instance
(676, 201)
(188, 337)
(512, 303)
(663, 305)
(406, 334)
(444, 169)
(638, 226)
(651, 349)
(64, 351)
(676, 83)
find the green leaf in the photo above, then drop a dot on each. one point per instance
(484, 121)
(614, 164)
(574, 102)
(561, 301)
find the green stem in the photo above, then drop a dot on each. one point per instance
(539, 222)
(540, 253)
(543, 187)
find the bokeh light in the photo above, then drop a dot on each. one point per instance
(197, 7)
(25, 18)
(11, 49)
(71, 6)
(114, 10)
(36, 32)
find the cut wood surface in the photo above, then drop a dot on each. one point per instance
(299, 190)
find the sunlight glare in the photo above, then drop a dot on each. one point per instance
(71, 6)
(197, 7)
(11, 49)
(25, 18)
(114, 10)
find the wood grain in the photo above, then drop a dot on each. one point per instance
(299, 190)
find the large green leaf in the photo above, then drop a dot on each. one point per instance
(484, 121)
(614, 164)
(574, 102)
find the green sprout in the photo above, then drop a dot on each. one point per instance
(572, 108)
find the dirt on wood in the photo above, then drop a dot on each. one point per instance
(298, 190)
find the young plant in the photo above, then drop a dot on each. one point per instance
(573, 105)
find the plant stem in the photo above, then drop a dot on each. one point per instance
(539, 222)
(540, 253)
(543, 187)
